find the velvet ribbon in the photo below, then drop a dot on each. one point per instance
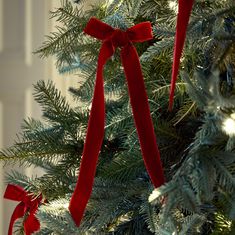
(184, 11)
(111, 39)
(27, 204)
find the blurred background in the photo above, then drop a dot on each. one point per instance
(23, 26)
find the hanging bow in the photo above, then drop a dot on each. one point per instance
(111, 39)
(27, 204)
(184, 11)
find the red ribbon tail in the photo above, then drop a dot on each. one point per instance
(185, 7)
(141, 113)
(93, 142)
(18, 213)
(31, 224)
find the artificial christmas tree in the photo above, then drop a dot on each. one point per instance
(195, 139)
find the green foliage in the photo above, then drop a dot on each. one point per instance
(197, 148)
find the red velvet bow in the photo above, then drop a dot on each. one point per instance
(27, 204)
(111, 39)
(185, 7)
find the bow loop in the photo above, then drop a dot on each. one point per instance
(15, 193)
(98, 29)
(141, 32)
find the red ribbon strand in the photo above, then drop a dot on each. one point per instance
(184, 11)
(27, 205)
(111, 39)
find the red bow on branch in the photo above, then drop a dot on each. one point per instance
(27, 204)
(111, 39)
(185, 7)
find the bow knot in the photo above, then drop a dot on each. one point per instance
(29, 201)
(119, 38)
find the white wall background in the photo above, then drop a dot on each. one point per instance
(23, 24)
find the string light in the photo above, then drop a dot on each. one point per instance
(154, 195)
(173, 6)
(229, 125)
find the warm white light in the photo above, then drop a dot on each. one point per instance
(173, 6)
(229, 126)
(66, 205)
(233, 116)
(60, 206)
(154, 195)
(108, 2)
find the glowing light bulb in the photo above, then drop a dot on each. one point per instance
(229, 126)
(173, 6)
(154, 195)
(66, 205)
(108, 2)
